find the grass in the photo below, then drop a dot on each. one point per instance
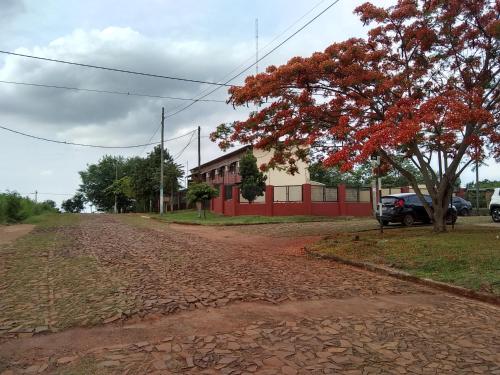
(191, 217)
(46, 261)
(468, 256)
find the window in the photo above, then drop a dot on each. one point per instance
(228, 192)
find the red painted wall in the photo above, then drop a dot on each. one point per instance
(325, 209)
(289, 209)
(252, 209)
(358, 209)
(233, 207)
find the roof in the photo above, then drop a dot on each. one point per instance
(228, 155)
(399, 195)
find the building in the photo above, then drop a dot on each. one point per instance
(285, 194)
(224, 170)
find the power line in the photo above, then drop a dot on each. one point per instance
(50, 193)
(90, 145)
(256, 62)
(252, 58)
(127, 93)
(185, 147)
(113, 69)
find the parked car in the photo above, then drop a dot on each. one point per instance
(464, 207)
(407, 208)
(495, 205)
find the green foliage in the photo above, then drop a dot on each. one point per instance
(135, 181)
(201, 192)
(253, 181)
(332, 176)
(362, 175)
(394, 178)
(75, 204)
(15, 209)
(484, 184)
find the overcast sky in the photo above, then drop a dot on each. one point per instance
(202, 40)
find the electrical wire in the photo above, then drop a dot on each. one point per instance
(184, 149)
(91, 145)
(113, 69)
(67, 194)
(127, 93)
(267, 44)
(195, 100)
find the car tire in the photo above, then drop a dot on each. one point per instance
(385, 223)
(464, 212)
(408, 220)
(495, 214)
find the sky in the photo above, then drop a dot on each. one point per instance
(201, 40)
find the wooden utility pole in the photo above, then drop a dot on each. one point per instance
(477, 187)
(116, 178)
(161, 159)
(199, 154)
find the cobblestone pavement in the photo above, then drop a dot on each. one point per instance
(163, 271)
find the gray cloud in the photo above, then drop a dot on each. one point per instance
(10, 9)
(62, 110)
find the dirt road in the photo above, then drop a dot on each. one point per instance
(9, 233)
(166, 299)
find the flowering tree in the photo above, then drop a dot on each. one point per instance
(423, 86)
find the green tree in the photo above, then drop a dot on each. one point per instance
(13, 208)
(253, 181)
(134, 181)
(98, 178)
(484, 184)
(332, 176)
(49, 203)
(200, 193)
(75, 204)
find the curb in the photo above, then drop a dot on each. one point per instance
(453, 289)
(237, 224)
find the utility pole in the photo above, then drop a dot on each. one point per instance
(116, 179)
(36, 196)
(477, 187)
(199, 153)
(161, 159)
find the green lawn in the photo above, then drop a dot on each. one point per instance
(191, 217)
(468, 256)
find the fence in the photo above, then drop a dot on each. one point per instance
(290, 200)
(289, 193)
(259, 199)
(484, 197)
(324, 193)
(357, 194)
(390, 190)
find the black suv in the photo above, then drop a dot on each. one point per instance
(407, 208)
(464, 208)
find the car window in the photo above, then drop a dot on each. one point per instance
(388, 201)
(413, 199)
(428, 199)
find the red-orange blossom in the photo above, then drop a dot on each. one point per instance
(424, 85)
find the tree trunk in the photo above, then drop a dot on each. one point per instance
(198, 208)
(439, 218)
